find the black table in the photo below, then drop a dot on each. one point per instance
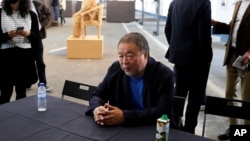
(66, 121)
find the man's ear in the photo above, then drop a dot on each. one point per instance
(146, 55)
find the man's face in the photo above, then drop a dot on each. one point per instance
(132, 60)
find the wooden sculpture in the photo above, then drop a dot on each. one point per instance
(90, 14)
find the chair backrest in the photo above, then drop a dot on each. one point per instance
(178, 106)
(225, 107)
(92, 17)
(100, 14)
(77, 90)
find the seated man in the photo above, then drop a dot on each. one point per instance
(136, 89)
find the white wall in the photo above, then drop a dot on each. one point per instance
(222, 12)
(150, 6)
(219, 12)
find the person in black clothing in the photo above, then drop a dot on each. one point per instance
(190, 51)
(44, 16)
(62, 8)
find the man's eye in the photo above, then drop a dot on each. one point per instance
(129, 56)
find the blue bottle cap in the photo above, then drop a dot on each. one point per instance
(41, 84)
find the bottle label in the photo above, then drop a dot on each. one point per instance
(162, 128)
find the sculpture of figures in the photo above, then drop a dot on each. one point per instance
(86, 5)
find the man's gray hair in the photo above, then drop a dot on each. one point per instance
(137, 38)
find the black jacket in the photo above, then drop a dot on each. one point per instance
(157, 93)
(188, 31)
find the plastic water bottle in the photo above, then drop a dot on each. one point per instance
(41, 98)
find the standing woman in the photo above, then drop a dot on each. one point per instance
(19, 34)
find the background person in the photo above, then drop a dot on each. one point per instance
(44, 17)
(188, 31)
(62, 8)
(238, 43)
(55, 6)
(16, 54)
(137, 88)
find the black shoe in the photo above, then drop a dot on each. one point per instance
(63, 21)
(224, 136)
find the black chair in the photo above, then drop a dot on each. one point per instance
(223, 107)
(178, 106)
(77, 90)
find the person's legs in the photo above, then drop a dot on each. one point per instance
(204, 99)
(198, 82)
(20, 91)
(182, 81)
(245, 91)
(203, 103)
(40, 65)
(6, 74)
(232, 79)
(61, 16)
(6, 92)
(27, 74)
(56, 12)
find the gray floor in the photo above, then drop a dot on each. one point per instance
(92, 71)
